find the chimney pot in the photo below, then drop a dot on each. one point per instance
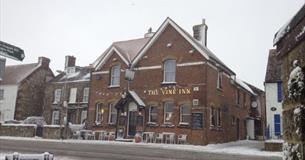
(149, 33)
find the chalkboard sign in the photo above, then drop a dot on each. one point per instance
(139, 120)
(197, 120)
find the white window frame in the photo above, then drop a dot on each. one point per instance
(115, 76)
(86, 95)
(167, 71)
(83, 116)
(57, 96)
(98, 114)
(55, 117)
(150, 114)
(167, 104)
(73, 95)
(112, 112)
(185, 114)
(219, 80)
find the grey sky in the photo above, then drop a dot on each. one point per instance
(240, 31)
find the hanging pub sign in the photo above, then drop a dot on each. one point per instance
(10, 51)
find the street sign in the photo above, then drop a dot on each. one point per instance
(11, 51)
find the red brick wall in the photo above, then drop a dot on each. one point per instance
(202, 76)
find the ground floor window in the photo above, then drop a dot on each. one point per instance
(215, 117)
(55, 117)
(112, 114)
(152, 114)
(98, 114)
(168, 112)
(83, 117)
(185, 114)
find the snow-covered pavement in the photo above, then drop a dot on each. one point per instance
(243, 147)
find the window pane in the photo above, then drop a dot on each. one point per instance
(169, 70)
(168, 111)
(153, 114)
(115, 75)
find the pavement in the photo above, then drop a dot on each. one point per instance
(78, 150)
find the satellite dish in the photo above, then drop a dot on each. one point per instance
(254, 104)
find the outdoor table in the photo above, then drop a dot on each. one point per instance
(85, 133)
(148, 136)
(169, 136)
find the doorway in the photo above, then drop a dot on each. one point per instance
(132, 119)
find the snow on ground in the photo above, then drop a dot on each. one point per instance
(242, 147)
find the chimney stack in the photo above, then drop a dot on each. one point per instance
(70, 61)
(44, 62)
(200, 32)
(149, 33)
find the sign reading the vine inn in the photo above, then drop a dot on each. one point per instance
(11, 51)
(168, 91)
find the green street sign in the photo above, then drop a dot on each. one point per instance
(11, 51)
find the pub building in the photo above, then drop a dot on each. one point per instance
(168, 81)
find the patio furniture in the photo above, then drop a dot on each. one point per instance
(182, 138)
(148, 137)
(86, 134)
(111, 136)
(76, 135)
(159, 138)
(169, 137)
(101, 135)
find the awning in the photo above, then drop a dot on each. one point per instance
(138, 100)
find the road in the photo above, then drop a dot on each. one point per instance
(80, 151)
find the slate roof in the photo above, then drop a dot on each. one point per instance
(273, 72)
(14, 74)
(82, 74)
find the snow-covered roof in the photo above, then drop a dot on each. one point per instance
(81, 74)
(14, 74)
(288, 26)
(244, 85)
(137, 98)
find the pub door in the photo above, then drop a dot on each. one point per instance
(132, 119)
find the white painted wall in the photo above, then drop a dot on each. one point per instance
(271, 101)
(7, 105)
(250, 129)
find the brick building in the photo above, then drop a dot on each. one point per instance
(22, 90)
(179, 86)
(68, 94)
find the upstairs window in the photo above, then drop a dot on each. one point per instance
(219, 80)
(168, 112)
(115, 76)
(72, 97)
(237, 96)
(86, 94)
(112, 114)
(279, 92)
(57, 95)
(185, 114)
(1, 94)
(169, 71)
(153, 114)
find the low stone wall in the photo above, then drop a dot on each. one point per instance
(55, 132)
(18, 130)
(274, 146)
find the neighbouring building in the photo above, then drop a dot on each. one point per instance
(290, 50)
(22, 90)
(178, 85)
(67, 95)
(274, 97)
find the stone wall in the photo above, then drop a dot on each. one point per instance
(17, 130)
(53, 132)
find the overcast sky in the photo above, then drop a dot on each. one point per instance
(240, 32)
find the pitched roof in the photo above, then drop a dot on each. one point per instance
(14, 74)
(132, 50)
(273, 72)
(81, 74)
(288, 26)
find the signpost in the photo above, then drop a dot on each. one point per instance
(10, 51)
